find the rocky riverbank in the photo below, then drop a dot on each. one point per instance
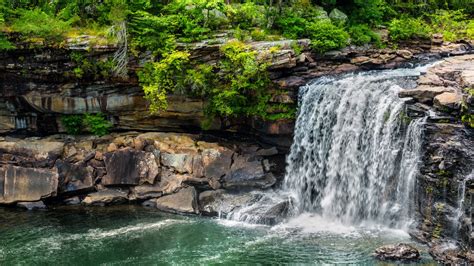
(178, 173)
(445, 185)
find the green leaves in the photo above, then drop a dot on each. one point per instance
(407, 28)
(97, 124)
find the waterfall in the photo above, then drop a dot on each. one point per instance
(355, 151)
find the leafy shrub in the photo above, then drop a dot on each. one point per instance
(246, 15)
(160, 78)
(407, 28)
(258, 34)
(97, 124)
(453, 24)
(292, 26)
(362, 34)
(36, 23)
(242, 89)
(73, 124)
(325, 36)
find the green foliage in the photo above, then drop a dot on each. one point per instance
(408, 28)
(325, 36)
(160, 78)
(87, 68)
(73, 124)
(242, 87)
(454, 25)
(246, 15)
(362, 34)
(97, 124)
(37, 23)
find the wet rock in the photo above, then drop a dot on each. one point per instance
(74, 177)
(72, 201)
(425, 94)
(447, 253)
(247, 172)
(267, 152)
(36, 205)
(184, 201)
(145, 192)
(171, 182)
(213, 202)
(106, 197)
(400, 252)
(130, 167)
(26, 184)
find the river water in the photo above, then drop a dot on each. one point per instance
(137, 235)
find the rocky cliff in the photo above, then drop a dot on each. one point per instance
(38, 85)
(445, 185)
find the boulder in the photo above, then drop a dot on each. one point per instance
(338, 16)
(145, 192)
(184, 201)
(216, 162)
(36, 205)
(130, 167)
(248, 172)
(405, 54)
(74, 177)
(425, 93)
(215, 202)
(41, 153)
(182, 163)
(171, 182)
(448, 100)
(26, 184)
(401, 252)
(106, 197)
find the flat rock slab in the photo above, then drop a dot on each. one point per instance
(26, 184)
(106, 197)
(184, 201)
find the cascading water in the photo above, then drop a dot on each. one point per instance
(355, 152)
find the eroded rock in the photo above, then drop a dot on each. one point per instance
(106, 197)
(184, 201)
(130, 167)
(400, 252)
(26, 184)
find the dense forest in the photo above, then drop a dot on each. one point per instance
(237, 84)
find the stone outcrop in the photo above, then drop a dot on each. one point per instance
(184, 201)
(167, 170)
(399, 252)
(18, 184)
(42, 87)
(445, 184)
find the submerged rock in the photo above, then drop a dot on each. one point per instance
(402, 252)
(31, 205)
(215, 202)
(184, 201)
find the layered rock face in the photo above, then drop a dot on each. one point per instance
(38, 86)
(445, 185)
(167, 170)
